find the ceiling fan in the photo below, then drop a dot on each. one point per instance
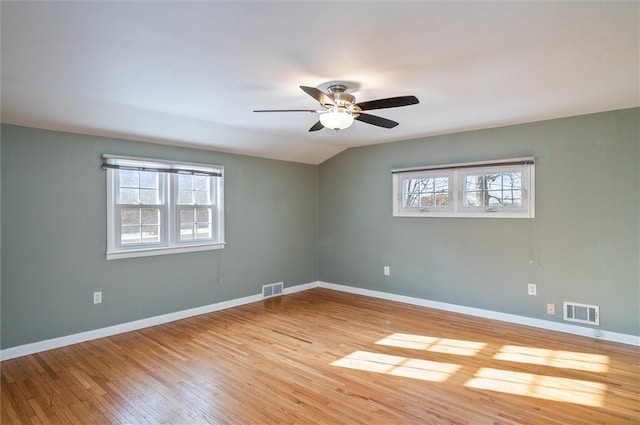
(340, 110)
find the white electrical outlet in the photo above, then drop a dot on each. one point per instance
(97, 297)
(387, 271)
(551, 309)
(532, 289)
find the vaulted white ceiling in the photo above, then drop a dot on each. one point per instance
(190, 73)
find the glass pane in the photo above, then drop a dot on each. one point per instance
(149, 196)
(202, 197)
(513, 197)
(186, 232)
(187, 215)
(441, 184)
(493, 181)
(473, 199)
(203, 215)
(185, 197)
(426, 200)
(150, 215)
(148, 180)
(411, 201)
(129, 178)
(128, 196)
(494, 198)
(411, 186)
(185, 182)
(427, 185)
(512, 180)
(204, 231)
(130, 216)
(129, 234)
(442, 200)
(150, 233)
(201, 182)
(473, 183)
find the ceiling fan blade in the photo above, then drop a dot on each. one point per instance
(318, 95)
(313, 111)
(375, 120)
(389, 102)
(317, 126)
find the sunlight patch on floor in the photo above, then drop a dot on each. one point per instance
(553, 388)
(398, 366)
(428, 343)
(565, 390)
(554, 358)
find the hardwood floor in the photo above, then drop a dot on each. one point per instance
(327, 357)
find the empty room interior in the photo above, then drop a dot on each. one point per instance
(320, 212)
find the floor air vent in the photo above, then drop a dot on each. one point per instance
(272, 290)
(582, 313)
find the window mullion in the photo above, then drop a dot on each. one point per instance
(456, 191)
(170, 183)
(116, 231)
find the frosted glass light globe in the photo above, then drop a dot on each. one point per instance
(336, 119)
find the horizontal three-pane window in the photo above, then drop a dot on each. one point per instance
(493, 189)
(159, 208)
(502, 188)
(426, 191)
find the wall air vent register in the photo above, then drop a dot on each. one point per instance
(582, 313)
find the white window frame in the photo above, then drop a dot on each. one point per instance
(170, 242)
(425, 174)
(456, 173)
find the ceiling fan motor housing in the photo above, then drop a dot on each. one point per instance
(344, 102)
(340, 96)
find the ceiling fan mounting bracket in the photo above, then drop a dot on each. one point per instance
(337, 88)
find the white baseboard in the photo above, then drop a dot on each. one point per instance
(299, 288)
(63, 341)
(36, 347)
(488, 314)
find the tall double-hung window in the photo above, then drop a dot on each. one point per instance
(159, 207)
(501, 188)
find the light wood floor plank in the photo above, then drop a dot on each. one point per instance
(326, 357)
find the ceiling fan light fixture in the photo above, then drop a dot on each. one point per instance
(339, 108)
(336, 119)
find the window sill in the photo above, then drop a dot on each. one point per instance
(467, 214)
(148, 252)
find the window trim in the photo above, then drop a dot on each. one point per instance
(456, 173)
(170, 243)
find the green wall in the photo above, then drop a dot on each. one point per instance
(583, 245)
(54, 236)
(299, 223)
